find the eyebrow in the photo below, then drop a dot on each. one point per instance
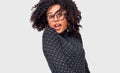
(49, 13)
(54, 13)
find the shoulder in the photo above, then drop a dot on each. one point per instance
(50, 34)
(49, 30)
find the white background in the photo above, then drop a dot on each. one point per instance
(21, 45)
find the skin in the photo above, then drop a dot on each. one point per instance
(58, 25)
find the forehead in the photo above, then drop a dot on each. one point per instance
(53, 9)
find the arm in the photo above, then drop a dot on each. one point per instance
(52, 51)
(86, 64)
(86, 67)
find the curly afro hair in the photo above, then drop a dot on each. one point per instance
(73, 15)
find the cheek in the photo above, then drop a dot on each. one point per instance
(65, 23)
(50, 24)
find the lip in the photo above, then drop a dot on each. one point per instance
(57, 26)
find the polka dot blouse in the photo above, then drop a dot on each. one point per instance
(63, 52)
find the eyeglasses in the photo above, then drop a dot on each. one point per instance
(60, 16)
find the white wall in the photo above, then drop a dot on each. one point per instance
(101, 37)
(21, 49)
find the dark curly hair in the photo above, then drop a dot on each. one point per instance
(73, 15)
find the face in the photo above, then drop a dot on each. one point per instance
(57, 20)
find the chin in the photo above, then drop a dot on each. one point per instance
(59, 31)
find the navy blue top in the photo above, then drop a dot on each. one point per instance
(63, 52)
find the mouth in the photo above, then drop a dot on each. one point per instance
(57, 26)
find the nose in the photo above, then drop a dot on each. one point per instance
(56, 18)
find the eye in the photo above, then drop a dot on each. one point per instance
(60, 14)
(51, 16)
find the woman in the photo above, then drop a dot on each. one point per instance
(62, 43)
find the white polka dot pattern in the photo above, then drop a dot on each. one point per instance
(64, 53)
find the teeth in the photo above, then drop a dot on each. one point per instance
(56, 25)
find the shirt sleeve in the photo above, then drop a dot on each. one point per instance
(52, 51)
(86, 64)
(86, 67)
